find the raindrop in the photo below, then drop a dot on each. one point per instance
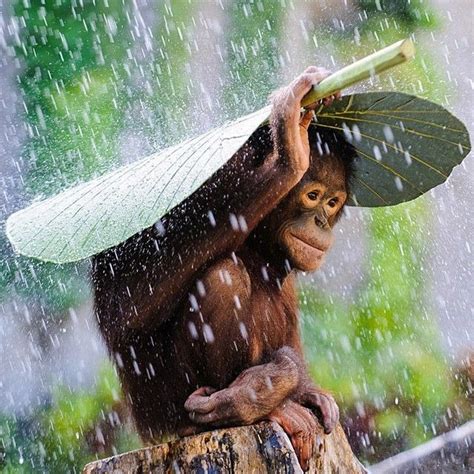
(243, 224)
(234, 222)
(243, 330)
(160, 227)
(237, 302)
(225, 277)
(347, 132)
(211, 218)
(252, 395)
(345, 344)
(407, 156)
(360, 408)
(208, 334)
(388, 133)
(192, 330)
(152, 369)
(398, 183)
(194, 302)
(356, 133)
(269, 383)
(320, 148)
(201, 288)
(377, 153)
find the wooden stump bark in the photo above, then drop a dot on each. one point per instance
(261, 448)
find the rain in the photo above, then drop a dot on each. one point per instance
(87, 88)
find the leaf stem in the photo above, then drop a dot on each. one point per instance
(365, 68)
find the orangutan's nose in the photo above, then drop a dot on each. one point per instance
(321, 218)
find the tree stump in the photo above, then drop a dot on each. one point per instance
(261, 448)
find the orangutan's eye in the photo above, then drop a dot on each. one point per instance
(313, 195)
(333, 202)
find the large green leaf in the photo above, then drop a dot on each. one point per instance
(405, 146)
(101, 213)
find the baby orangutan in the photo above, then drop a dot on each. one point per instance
(200, 311)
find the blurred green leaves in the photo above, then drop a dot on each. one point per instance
(73, 97)
(169, 85)
(68, 433)
(410, 14)
(253, 54)
(72, 80)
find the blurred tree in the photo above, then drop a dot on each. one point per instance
(72, 79)
(169, 86)
(253, 54)
(76, 428)
(409, 13)
(73, 84)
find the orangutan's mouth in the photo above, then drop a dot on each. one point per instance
(318, 251)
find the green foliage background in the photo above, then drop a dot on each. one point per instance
(380, 354)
